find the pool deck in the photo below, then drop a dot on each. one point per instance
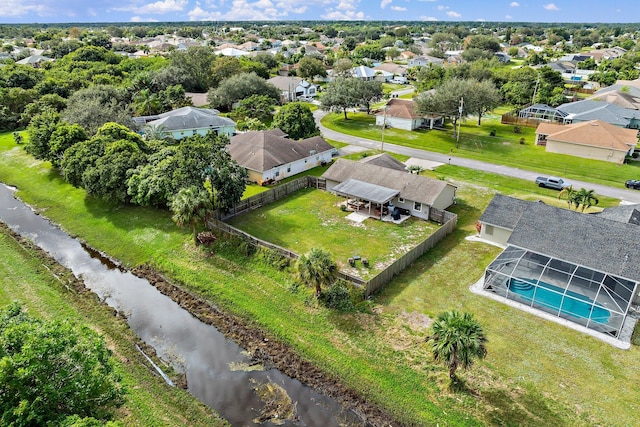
(624, 342)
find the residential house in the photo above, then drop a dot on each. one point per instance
(424, 60)
(270, 156)
(391, 70)
(189, 121)
(401, 114)
(625, 93)
(363, 72)
(34, 60)
(590, 109)
(292, 88)
(594, 139)
(502, 57)
(231, 51)
(381, 186)
(574, 268)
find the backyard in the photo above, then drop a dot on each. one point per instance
(504, 148)
(537, 373)
(311, 218)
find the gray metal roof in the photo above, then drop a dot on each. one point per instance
(365, 191)
(504, 211)
(588, 240)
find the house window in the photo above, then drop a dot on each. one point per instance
(417, 206)
(400, 199)
(277, 173)
(289, 168)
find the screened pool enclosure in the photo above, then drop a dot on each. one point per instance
(590, 298)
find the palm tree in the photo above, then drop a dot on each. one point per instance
(191, 206)
(145, 102)
(571, 197)
(587, 198)
(157, 133)
(316, 268)
(456, 339)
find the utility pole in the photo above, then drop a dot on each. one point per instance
(535, 90)
(384, 125)
(460, 109)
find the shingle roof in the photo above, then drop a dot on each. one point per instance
(597, 110)
(588, 240)
(401, 108)
(594, 133)
(264, 150)
(287, 83)
(191, 118)
(386, 161)
(417, 188)
(618, 97)
(627, 213)
(504, 211)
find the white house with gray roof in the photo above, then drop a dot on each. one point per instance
(189, 121)
(579, 269)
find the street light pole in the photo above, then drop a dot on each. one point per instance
(460, 108)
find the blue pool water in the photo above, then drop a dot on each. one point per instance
(549, 296)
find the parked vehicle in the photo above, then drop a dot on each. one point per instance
(552, 182)
(633, 183)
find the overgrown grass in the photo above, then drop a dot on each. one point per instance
(30, 280)
(537, 373)
(504, 148)
(311, 218)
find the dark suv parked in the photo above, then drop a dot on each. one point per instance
(633, 183)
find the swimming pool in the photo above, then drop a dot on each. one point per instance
(556, 299)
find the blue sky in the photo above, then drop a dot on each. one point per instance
(64, 11)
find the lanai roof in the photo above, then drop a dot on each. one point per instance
(365, 191)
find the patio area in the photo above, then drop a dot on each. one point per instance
(360, 211)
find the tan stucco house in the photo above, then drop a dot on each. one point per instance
(594, 139)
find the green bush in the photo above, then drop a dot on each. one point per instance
(273, 258)
(338, 297)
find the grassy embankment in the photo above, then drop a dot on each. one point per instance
(504, 148)
(537, 373)
(27, 277)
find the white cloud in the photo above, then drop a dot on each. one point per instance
(514, 4)
(159, 7)
(350, 15)
(198, 14)
(427, 18)
(398, 8)
(440, 7)
(20, 7)
(551, 6)
(508, 17)
(385, 3)
(140, 19)
(452, 14)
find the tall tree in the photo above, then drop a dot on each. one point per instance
(51, 370)
(195, 64)
(317, 269)
(339, 95)
(482, 98)
(310, 67)
(241, 86)
(457, 339)
(96, 105)
(296, 120)
(40, 130)
(190, 207)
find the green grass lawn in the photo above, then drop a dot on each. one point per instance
(311, 218)
(504, 148)
(536, 373)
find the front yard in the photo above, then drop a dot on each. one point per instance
(311, 218)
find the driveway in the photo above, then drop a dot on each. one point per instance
(627, 196)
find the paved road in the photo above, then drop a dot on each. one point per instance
(628, 196)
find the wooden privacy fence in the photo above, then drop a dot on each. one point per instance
(385, 276)
(274, 194)
(508, 119)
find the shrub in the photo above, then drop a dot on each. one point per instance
(516, 129)
(338, 297)
(273, 258)
(492, 133)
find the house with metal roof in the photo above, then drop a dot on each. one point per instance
(578, 269)
(594, 139)
(380, 185)
(189, 121)
(270, 156)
